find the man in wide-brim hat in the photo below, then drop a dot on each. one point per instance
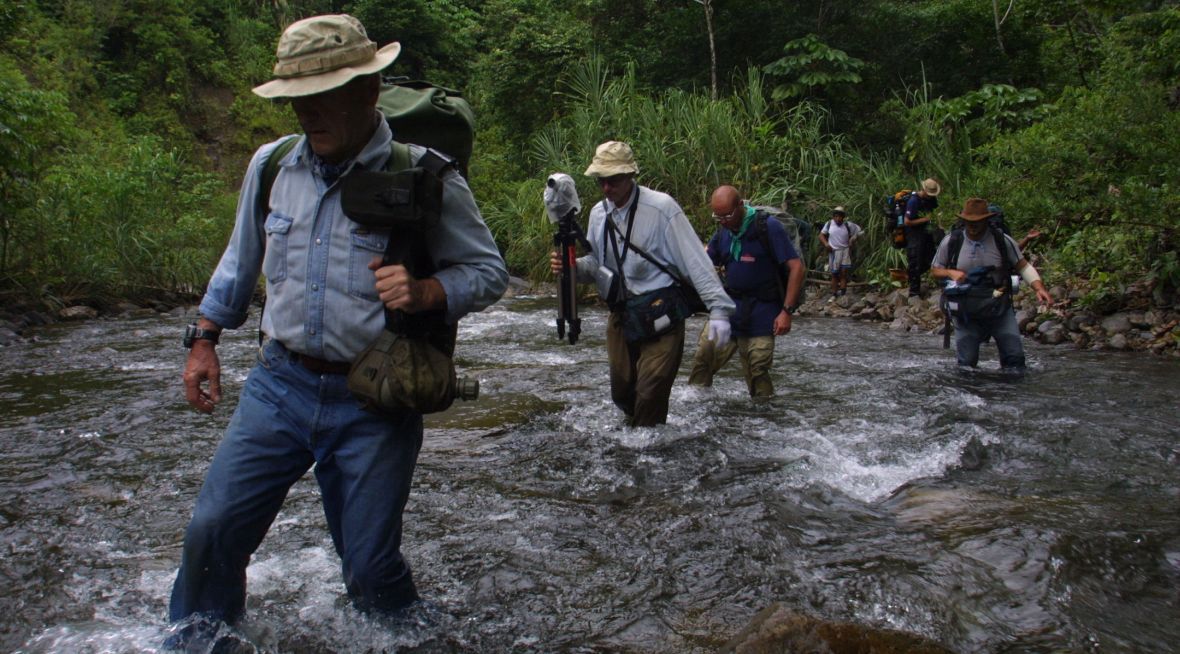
(326, 296)
(979, 261)
(632, 218)
(919, 242)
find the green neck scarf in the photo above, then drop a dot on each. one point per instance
(735, 243)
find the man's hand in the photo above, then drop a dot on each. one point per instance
(399, 290)
(1043, 294)
(782, 324)
(554, 263)
(956, 275)
(202, 365)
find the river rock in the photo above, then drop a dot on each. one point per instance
(8, 336)
(1048, 326)
(78, 312)
(1078, 321)
(1054, 336)
(777, 629)
(1118, 342)
(1022, 318)
(36, 318)
(1116, 324)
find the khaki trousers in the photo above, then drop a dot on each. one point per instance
(757, 356)
(641, 374)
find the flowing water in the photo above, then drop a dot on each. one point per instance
(880, 486)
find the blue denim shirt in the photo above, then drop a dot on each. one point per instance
(321, 298)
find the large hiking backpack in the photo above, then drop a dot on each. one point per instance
(433, 116)
(894, 214)
(762, 230)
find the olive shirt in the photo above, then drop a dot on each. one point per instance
(662, 230)
(321, 295)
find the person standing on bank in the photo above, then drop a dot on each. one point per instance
(326, 291)
(643, 247)
(919, 245)
(980, 261)
(838, 235)
(752, 261)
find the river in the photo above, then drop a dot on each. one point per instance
(880, 486)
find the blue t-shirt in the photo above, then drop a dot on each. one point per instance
(752, 275)
(916, 207)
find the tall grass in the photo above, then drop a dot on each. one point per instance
(129, 224)
(686, 145)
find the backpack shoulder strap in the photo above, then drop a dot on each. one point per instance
(270, 170)
(952, 248)
(433, 162)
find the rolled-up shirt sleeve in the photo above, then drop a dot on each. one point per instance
(469, 264)
(227, 297)
(695, 264)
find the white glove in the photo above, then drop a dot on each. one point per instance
(718, 332)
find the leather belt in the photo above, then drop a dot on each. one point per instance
(322, 367)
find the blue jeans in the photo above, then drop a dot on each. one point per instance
(287, 419)
(969, 335)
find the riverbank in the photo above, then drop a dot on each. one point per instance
(1137, 324)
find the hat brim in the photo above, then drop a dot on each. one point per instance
(976, 217)
(294, 87)
(608, 170)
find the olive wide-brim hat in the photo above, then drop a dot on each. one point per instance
(322, 53)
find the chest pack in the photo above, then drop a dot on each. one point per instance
(986, 294)
(409, 366)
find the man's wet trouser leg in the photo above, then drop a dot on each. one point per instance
(641, 374)
(757, 354)
(709, 359)
(1009, 342)
(288, 418)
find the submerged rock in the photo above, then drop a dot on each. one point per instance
(779, 630)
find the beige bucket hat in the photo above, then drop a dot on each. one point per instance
(612, 158)
(931, 186)
(321, 53)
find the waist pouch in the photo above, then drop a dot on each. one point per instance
(977, 302)
(402, 373)
(654, 313)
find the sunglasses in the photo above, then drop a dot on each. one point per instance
(732, 214)
(613, 180)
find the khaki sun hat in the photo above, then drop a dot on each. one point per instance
(932, 187)
(840, 210)
(612, 158)
(321, 53)
(975, 209)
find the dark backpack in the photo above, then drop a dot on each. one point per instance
(762, 230)
(894, 212)
(433, 116)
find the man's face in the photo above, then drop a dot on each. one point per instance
(616, 188)
(839, 218)
(339, 122)
(975, 229)
(729, 214)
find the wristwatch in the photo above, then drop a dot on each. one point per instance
(791, 309)
(192, 333)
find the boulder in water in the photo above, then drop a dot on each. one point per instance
(779, 630)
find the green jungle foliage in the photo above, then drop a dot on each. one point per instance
(125, 125)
